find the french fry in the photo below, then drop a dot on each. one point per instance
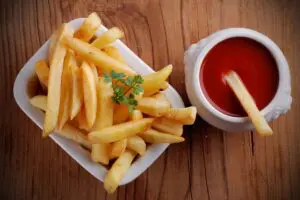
(121, 113)
(101, 153)
(139, 96)
(77, 91)
(39, 101)
(114, 53)
(53, 43)
(136, 115)
(72, 133)
(136, 144)
(108, 37)
(120, 131)
(168, 126)
(185, 116)
(153, 106)
(79, 59)
(156, 137)
(118, 170)
(66, 90)
(90, 25)
(161, 96)
(54, 82)
(248, 103)
(95, 72)
(42, 72)
(164, 85)
(117, 148)
(104, 118)
(81, 120)
(89, 94)
(68, 131)
(153, 82)
(99, 58)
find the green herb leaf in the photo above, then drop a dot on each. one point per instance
(138, 79)
(137, 89)
(129, 81)
(119, 91)
(132, 85)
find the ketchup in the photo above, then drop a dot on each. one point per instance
(251, 61)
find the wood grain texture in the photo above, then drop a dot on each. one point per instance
(211, 164)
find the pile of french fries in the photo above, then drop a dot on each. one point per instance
(78, 102)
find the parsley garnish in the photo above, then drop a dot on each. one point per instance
(125, 88)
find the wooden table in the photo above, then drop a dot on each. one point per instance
(211, 164)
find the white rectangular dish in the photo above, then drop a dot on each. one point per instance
(73, 149)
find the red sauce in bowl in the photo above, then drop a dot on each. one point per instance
(254, 64)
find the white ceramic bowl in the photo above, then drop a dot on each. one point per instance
(193, 59)
(73, 149)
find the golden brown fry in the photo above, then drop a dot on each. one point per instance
(72, 133)
(139, 96)
(121, 113)
(245, 98)
(164, 85)
(118, 170)
(54, 83)
(104, 118)
(68, 131)
(120, 131)
(89, 94)
(101, 153)
(95, 72)
(168, 126)
(79, 59)
(160, 96)
(153, 82)
(136, 144)
(136, 115)
(70, 59)
(81, 120)
(99, 58)
(42, 72)
(153, 106)
(115, 53)
(39, 101)
(66, 90)
(90, 25)
(108, 37)
(53, 43)
(186, 116)
(156, 137)
(117, 148)
(77, 91)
